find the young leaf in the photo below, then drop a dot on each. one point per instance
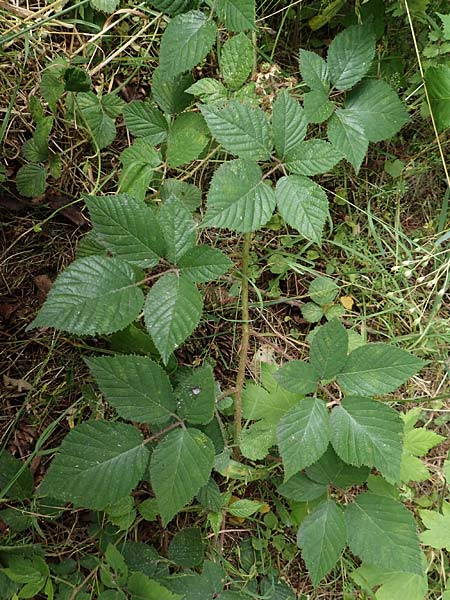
(237, 15)
(170, 92)
(178, 227)
(298, 377)
(317, 107)
(240, 128)
(15, 476)
(437, 80)
(238, 198)
(172, 311)
(203, 263)
(419, 441)
(127, 227)
(322, 538)
(303, 435)
(331, 470)
(186, 41)
(93, 295)
(138, 163)
(187, 139)
(329, 349)
(346, 133)
(135, 386)
(382, 532)
(143, 119)
(350, 55)
(437, 534)
(367, 432)
(100, 125)
(36, 149)
(301, 489)
(289, 123)
(99, 462)
(208, 90)
(257, 439)
(378, 108)
(179, 467)
(188, 194)
(303, 205)
(313, 157)
(314, 71)
(377, 369)
(31, 180)
(236, 61)
(196, 395)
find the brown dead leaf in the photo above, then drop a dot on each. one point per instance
(43, 284)
(12, 383)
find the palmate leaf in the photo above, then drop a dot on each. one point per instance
(187, 139)
(377, 369)
(99, 462)
(382, 532)
(289, 123)
(329, 349)
(138, 163)
(178, 227)
(143, 119)
(93, 295)
(240, 128)
(303, 205)
(238, 15)
(186, 41)
(313, 157)
(367, 432)
(350, 55)
(135, 386)
(127, 227)
(179, 467)
(322, 538)
(314, 71)
(172, 311)
(236, 61)
(203, 263)
(238, 198)
(303, 435)
(346, 133)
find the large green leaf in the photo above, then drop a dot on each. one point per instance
(16, 476)
(203, 263)
(238, 198)
(350, 55)
(196, 395)
(127, 227)
(138, 163)
(143, 119)
(391, 583)
(178, 227)
(367, 432)
(238, 15)
(240, 128)
(313, 157)
(437, 80)
(329, 349)
(303, 435)
(179, 467)
(322, 537)
(289, 123)
(186, 41)
(377, 369)
(99, 462)
(172, 311)
(169, 92)
(331, 470)
(187, 139)
(378, 108)
(135, 386)
(346, 133)
(298, 377)
(303, 205)
(314, 71)
(236, 61)
(93, 295)
(382, 532)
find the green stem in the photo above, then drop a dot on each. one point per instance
(244, 343)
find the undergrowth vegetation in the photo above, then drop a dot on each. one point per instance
(236, 374)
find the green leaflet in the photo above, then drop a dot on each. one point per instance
(437, 534)
(138, 163)
(317, 107)
(350, 55)
(187, 548)
(303, 435)
(173, 7)
(322, 538)
(178, 228)
(208, 90)
(169, 92)
(106, 6)
(301, 489)
(314, 71)
(298, 377)
(188, 137)
(437, 80)
(203, 263)
(329, 349)
(240, 128)
(180, 465)
(238, 198)
(257, 439)
(303, 205)
(172, 311)
(186, 41)
(93, 295)
(144, 588)
(238, 15)
(236, 61)
(331, 470)
(15, 476)
(143, 119)
(99, 462)
(289, 123)
(196, 393)
(392, 584)
(188, 194)
(135, 386)
(98, 115)
(346, 133)
(31, 180)
(313, 157)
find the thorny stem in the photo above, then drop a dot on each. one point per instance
(244, 344)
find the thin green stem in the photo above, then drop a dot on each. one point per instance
(244, 343)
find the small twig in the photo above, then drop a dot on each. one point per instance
(162, 432)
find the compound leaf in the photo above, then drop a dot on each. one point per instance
(313, 157)
(289, 123)
(350, 55)
(99, 462)
(238, 15)
(135, 386)
(143, 119)
(93, 295)
(179, 467)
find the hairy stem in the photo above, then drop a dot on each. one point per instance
(244, 343)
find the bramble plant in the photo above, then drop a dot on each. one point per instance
(142, 265)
